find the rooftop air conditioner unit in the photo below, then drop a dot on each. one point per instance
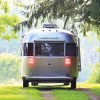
(50, 26)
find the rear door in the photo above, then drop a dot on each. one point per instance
(49, 58)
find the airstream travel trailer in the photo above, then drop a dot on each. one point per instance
(49, 55)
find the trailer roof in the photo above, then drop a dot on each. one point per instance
(46, 34)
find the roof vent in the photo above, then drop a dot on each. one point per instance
(50, 26)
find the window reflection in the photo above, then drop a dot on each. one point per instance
(71, 49)
(49, 49)
(28, 49)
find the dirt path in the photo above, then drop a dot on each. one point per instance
(90, 94)
(47, 95)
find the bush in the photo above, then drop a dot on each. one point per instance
(9, 68)
(95, 74)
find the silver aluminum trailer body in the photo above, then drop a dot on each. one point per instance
(50, 55)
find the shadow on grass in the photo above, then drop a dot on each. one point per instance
(50, 88)
(56, 87)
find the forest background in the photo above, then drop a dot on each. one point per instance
(22, 18)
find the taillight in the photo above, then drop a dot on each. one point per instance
(68, 61)
(31, 62)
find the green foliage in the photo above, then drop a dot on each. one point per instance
(85, 12)
(2, 29)
(5, 7)
(95, 74)
(9, 68)
(98, 49)
(0, 1)
(7, 21)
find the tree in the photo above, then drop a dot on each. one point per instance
(95, 74)
(7, 21)
(9, 68)
(84, 12)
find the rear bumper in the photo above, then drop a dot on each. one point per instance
(48, 79)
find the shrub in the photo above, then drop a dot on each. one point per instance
(95, 74)
(9, 68)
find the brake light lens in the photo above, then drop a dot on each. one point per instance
(31, 62)
(67, 61)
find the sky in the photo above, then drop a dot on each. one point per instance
(26, 2)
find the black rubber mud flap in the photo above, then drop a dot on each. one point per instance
(25, 83)
(73, 83)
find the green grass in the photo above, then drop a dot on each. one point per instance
(19, 93)
(59, 92)
(66, 94)
(95, 88)
(69, 95)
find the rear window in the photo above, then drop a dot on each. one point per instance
(49, 49)
(28, 49)
(71, 49)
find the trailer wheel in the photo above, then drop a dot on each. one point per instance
(25, 83)
(73, 83)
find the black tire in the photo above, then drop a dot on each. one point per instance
(34, 84)
(25, 83)
(73, 83)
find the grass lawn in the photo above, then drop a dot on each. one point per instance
(95, 88)
(66, 94)
(69, 95)
(59, 92)
(19, 93)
